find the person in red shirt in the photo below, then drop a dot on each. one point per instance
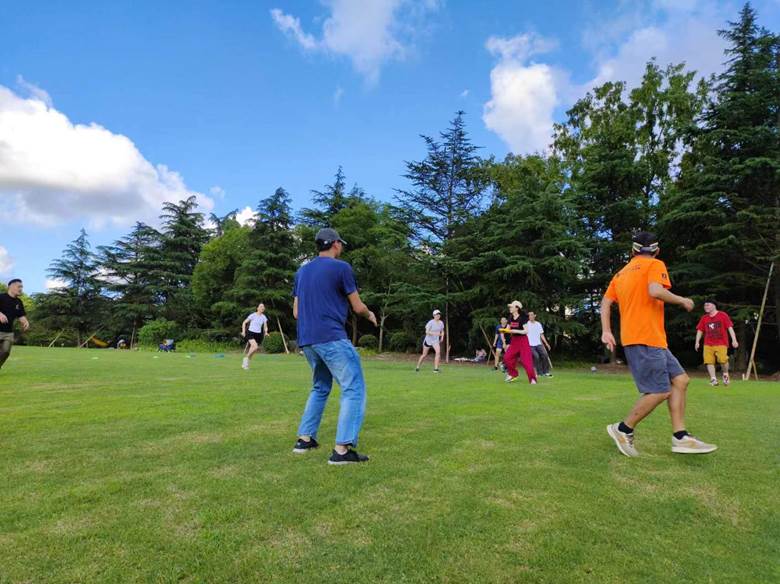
(714, 326)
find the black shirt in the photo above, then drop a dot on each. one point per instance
(12, 308)
(517, 323)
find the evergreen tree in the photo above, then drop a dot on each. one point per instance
(77, 302)
(724, 214)
(330, 201)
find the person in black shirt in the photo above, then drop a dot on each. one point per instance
(11, 308)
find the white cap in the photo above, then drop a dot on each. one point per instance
(437, 311)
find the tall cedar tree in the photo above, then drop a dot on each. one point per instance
(448, 189)
(77, 303)
(725, 212)
(266, 275)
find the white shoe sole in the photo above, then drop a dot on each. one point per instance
(617, 442)
(345, 462)
(302, 450)
(686, 450)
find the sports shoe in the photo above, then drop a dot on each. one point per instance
(416, 369)
(714, 382)
(350, 457)
(533, 382)
(691, 445)
(436, 371)
(548, 374)
(245, 363)
(726, 379)
(301, 446)
(624, 442)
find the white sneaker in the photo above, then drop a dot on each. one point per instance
(509, 378)
(533, 382)
(624, 442)
(691, 445)
(245, 364)
(726, 379)
(714, 382)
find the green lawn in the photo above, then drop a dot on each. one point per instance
(138, 467)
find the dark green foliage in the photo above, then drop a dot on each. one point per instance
(401, 342)
(273, 343)
(368, 342)
(156, 331)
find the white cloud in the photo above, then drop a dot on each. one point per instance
(6, 261)
(337, 95)
(55, 284)
(246, 216)
(53, 171)
(33, 90)
(523, 95)
(217, 191)
(368, 33)
(465, 93)
(527, 95)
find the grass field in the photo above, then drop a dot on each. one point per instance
(134, 467)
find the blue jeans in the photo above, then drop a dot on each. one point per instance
(337, 359)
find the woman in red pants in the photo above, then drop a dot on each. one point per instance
(519, 348)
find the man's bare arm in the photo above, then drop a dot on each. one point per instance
(659, 292)
(734, 342)
(606, 324)
(295, 308)
(359, 308)
(26, 323)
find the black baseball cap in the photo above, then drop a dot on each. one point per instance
(327, 236)
(14, 281)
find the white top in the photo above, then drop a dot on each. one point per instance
(432, 330)
(535, 332)
(256, 322)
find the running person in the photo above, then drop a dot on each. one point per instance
(640, 289)
(258, 329)
(519, 349)
(539, 346)
(324, 291)
(500, 342)
(714, 325)
(434, 333)
(11, 308)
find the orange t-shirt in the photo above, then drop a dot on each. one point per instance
(641, 315)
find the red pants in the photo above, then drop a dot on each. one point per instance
(519, 350)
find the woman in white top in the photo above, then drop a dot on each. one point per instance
(258, 328)
(434, 333)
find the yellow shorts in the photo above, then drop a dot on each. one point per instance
(719, 353)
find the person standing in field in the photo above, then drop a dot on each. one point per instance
(324, 291)
(519, 349)
(258, 329)
(500, 342)
(434, 333)
(539, 346)
(640, 290)
(11, 308)
(713, 326)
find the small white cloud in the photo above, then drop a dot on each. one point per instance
(370, 34)
(55, 284)
(465, 93)
(523, 95)
(33, 90)
(337, 95)
(246, 216)
(217, 191)
(6, 261)
(291, 25)
(53, 171)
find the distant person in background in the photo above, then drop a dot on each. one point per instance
(258, 328)
(11, 308)
(500, 342)
(714, 326)
(539, 346)
(519, 349)
(434, 333)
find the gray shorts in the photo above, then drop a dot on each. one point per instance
(653, 368)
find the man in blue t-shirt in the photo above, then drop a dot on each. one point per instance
(324, 290)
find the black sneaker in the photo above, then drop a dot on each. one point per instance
(350, 457)
(302, 446)
(435, 370)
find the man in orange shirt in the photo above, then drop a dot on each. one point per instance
(640, 289)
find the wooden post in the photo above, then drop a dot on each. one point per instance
(89, 338)
(55, 339)
(281, 332)
(487, 340)
(751, 362)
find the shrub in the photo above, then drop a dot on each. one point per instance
(400, 342)
(368, 342)
(155, 332)
(273, 343)
(202, 346)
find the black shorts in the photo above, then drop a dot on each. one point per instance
(257, 337)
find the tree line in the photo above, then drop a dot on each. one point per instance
(698, 162)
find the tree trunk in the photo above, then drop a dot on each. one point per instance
(382, 318)
(740, 357)
(354, 329)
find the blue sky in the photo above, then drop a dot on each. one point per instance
(109, 108)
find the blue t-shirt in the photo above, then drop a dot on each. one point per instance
(322, 287)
